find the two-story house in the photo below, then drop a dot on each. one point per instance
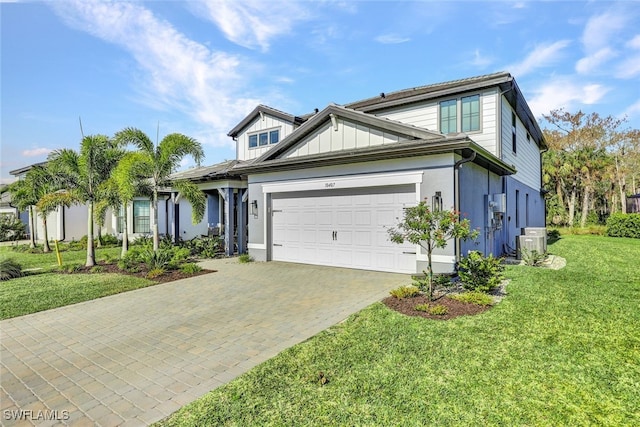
(323, 188)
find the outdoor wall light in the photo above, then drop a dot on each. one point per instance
(254, 208)
(436, 202)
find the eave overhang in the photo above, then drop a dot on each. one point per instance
(462, 146)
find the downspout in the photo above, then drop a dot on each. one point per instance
(456, 189)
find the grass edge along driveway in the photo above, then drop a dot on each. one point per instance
(562, 349)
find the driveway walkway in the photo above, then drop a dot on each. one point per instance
(136, 357)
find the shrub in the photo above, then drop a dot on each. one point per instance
(20, 248)
(532, 258)
(205, 247)
(480, 273)
(109, 259)
(110, 240)
(143, 241)
(244, 258)
(624, 225)
(155, 272)
(190, 268)
(97, 269)
(473, 297)
(70, 268)
(405, 291)
(156, 259)
(11, 228)
(178, 256)
(9, 268)
(436, 310)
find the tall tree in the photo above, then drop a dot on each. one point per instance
(82, 173)
(160, 161)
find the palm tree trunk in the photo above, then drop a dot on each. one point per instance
(32, 227)
(46, 248)
(125, 235)
(154, 222)
(585, 206)
(91, 257)
(572, 205)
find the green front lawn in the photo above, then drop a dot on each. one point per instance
(44, 291)
(562, 349)
(39, 292)
(49, 260)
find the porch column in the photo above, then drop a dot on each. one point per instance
(229, 226)
(213, 209)
(242, 226)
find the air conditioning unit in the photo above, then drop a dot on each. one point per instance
(530, 244)
(536, 231)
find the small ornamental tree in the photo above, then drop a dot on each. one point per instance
(431, 230)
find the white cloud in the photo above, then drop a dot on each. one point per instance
(177, 73)
(252, 23)
(36, 152)
(633, 110)
(479, 60)
(634, 43)
(629, 68)
(391, 39)
(564, 92)
(589, 63)
(599, 30)
(541, 56)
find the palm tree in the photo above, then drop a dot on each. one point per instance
(160, 161)
(23, 197)
(83, 175)
(127, 181)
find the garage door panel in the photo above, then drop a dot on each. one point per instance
(306, 227)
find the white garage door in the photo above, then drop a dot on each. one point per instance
(343, 228)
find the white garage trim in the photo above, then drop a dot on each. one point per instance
(333, 183)
(445, 259)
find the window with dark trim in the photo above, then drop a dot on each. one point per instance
(264, 138)
(141, 216)
(471, 113)
(513, 133)
(448, 116)
(253, 141)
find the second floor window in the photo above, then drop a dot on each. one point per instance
(264, 138)
(471, 113)
(448, 116)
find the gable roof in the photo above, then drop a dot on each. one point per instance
(264, 109)
(413, 132)
(503, 80)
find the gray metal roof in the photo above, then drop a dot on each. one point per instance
(223, 170)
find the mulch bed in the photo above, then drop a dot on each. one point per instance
(455, 308)
(168, 276)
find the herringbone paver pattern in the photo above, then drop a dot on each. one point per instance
(134, 358)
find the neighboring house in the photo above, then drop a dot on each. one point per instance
(323, 188)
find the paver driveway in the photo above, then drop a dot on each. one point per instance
(136, 357)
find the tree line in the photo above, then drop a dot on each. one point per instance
(107, 173)
(591, 166)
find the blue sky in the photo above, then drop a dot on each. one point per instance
(199, 67)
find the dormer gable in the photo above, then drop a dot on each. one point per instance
(260, 130)
(337, 128)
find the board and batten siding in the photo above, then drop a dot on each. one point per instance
(526, 159)
(267, 122)
(347, 136)
(426, 115)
